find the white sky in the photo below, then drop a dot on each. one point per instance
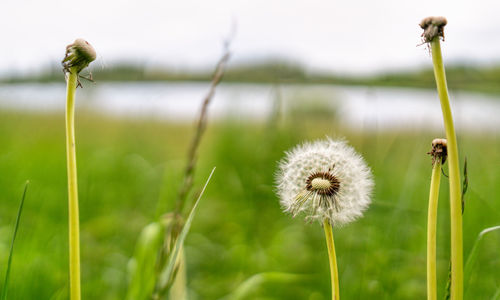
(337, 36)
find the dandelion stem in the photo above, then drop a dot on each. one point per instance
(74, 231)
(334, 275)
(431, 231)
(454, 175)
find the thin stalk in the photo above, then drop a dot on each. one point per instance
(454, 175)
(334, 274)
(74, 226)
(431, 231)
(11, 252)
(201, 125)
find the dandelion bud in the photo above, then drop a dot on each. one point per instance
(78, 55)
(439, 150)
(325, 179)
(433, 27)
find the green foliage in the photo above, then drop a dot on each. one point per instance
(267, 71)
(167, 274)
(497, 294)
(146, 277)
(142, 265)
(239, 229)
(460, 77)
(248, 288)
(473, 255)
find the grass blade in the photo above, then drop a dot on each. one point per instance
(254, 282)
(497, 294)
(471, 259)
(166, 274)
(9, 262)
(142, 265)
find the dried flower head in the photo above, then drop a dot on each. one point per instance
(78, 55)
(325, 179)
(433, 27)
(439, 150)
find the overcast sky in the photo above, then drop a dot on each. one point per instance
(336, 36)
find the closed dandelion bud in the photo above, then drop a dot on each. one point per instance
(433, 27)
(78, 55)
(324, 180)
(439, 151)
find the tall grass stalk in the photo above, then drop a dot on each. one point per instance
(433, 33)
(173, 229)
(431, 231)
(334, 274)
(11, 252)
(201, 125)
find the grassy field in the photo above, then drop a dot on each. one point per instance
(128, 175)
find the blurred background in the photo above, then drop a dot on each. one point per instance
(299, 70)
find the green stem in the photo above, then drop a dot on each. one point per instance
(334, 275)
(178, 290)
(74, 231)
(431, 231)
(454, 176)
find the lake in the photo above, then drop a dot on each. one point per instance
(364, 108)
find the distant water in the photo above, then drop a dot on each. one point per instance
(359, 107)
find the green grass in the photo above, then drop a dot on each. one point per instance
(239, 229)
(11, 251)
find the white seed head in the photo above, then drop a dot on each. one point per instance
(325, 179)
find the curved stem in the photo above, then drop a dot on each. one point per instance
(334, 275)
(454, 176)
(431, 231)
(74, 230)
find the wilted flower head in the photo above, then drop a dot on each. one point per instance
(439, 150)
(433, 27)
(79, 55)
(325, 179)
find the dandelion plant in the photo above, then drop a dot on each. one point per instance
(433, 33)
(78, 56)
(328, 182)
(438, 153)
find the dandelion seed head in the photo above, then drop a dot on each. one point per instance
(320, 184)
(324, 179)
